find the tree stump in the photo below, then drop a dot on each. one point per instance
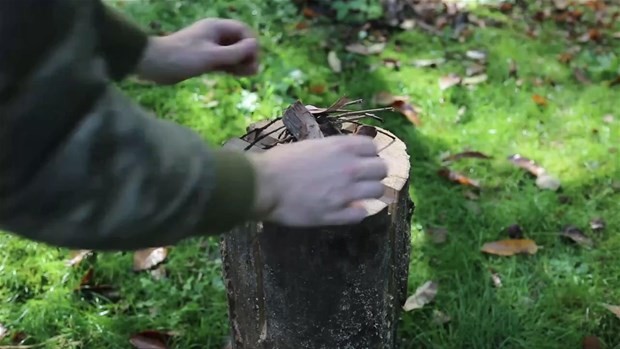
(322, 288)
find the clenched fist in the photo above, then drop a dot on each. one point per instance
(208, 45)
(318, 182)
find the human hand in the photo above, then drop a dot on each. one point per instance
(208, 45)
(318, 182)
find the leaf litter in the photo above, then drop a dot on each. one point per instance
(576, 235)
(510, 247)
(422, 296)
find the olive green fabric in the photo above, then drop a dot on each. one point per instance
(83, 166)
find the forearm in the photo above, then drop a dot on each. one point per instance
(81, 166)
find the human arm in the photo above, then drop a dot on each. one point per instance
(82, 166)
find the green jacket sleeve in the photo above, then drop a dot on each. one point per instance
(81, 165)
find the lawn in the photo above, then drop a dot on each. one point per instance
(551, 299)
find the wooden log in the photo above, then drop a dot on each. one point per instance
(324, 288)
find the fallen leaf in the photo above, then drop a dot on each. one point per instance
(475, 69)
(407, 110)
(88, 276)
(303, 25)
(565, 57)
(510, 247)
(547, 182)
(540, 100)
(391, 63)
(616, 35)
(19, 337)
(614, 309)
(591, 342)
(608, 119)
(309, 13)
(476, 55)
(438, 235)
(77, 256)
(505, 7)
(440, 318)
(458, 178)
(422, 296)
(515, 231)
(495, 278)
(151, 340)
(429, 63)
(387, 99)
(597, 224)
(366, 50)
(527, 164)
(3, 331)
(448, 81)
(158, 273)
(366, 130)
(475, 80)
(334, 62)
(318, 89)
(149, 258)
(106, 291)
(580, 75)
(466, 154)
(576, 235)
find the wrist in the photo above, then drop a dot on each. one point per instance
(155, 60)
(265, 188)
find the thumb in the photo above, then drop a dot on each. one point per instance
(236, 53)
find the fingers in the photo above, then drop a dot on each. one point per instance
(374, 168)
(228, 57)
(358, 145)
(349, 215)
(228, 32)
(365, 190)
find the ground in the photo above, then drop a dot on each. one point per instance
(551, 299)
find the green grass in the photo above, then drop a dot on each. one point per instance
(549, 300)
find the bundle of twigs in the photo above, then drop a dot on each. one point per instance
(306, 121)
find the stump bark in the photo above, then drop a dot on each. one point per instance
(322, 288)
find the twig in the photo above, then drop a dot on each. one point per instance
(360, 112)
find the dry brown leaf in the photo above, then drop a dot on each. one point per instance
(527, 164)
(309, 13)
(475, 80)
(581, 76)
(387, 99)
(565, 57)
(151, 340)
(318, 89)
(149, 258)
(576, 235)
(438, 235)
(466, 154)
(422, 296)
(615, 309)
(361, 49)
(407, 110)
(539, 100)
(475, 69)
(458, 178)
(366, 130)
(591, 342)
(510, 247)
(597, 224)
(429, 63)
(78, 256)
(334, 62)
(445, 82)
